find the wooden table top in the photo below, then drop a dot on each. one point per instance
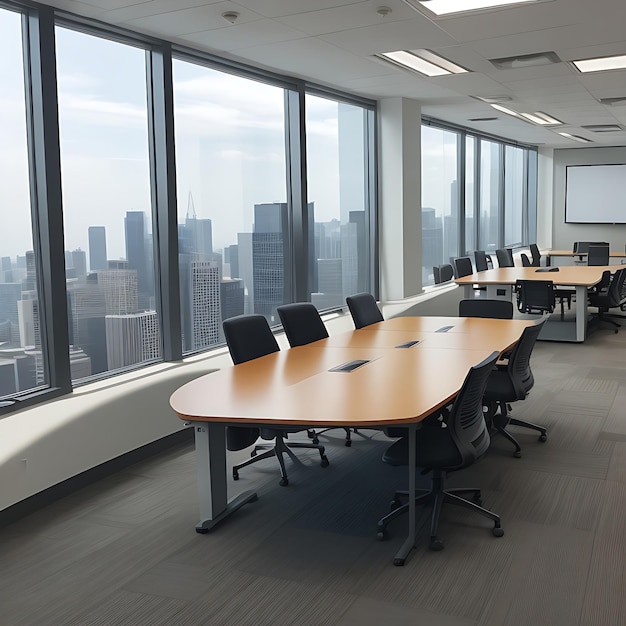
(294, 387)
(574, 275)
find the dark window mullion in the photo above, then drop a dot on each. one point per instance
(46, 197)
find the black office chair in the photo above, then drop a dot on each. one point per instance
(511, 382)
(598, 254)
(482, 261)
(481, 307)
(535, 296)
(526, 262)
(443, 273)
(249, 337)
(302, 325)
(364, 309)
(505, 257)
(449, 440)
(462, 266)
(609, 294)
(536, 255)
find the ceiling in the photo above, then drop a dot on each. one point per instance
(333, 42)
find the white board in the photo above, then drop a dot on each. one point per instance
(595, 194)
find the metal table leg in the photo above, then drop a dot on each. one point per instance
(212, 485)
(409, 542)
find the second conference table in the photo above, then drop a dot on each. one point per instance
(499, 284)
(412, 367)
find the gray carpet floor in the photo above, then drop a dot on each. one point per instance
(124, 550)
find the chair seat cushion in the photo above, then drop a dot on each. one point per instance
(434, 449)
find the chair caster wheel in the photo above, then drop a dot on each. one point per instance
(310, 434)
(398, 562)
(436, 545)
(316, 440)
(543, 437)
(325, 462)
(235, 475)
(517, 454)
(202, 531)
(348, 443)
(380, 535)
(284, 482)
(395, 504)
(497, 532)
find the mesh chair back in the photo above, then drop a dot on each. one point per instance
(518, 367)
(462, 266)
(481, 307)
(302, 323)
(505, 257)
(248, 337)
(598, 254)
(526, 262)
(465, 422)
(534, 251)
(610, 291)
(364, 309)
(481, 260)
(443, 273)
(535, 296)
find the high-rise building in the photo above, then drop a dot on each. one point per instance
(131, 339)
(136, 249)
(330, 284)
(10, 294)
(246, 273)
(204, 306)
(28, 320)
(86, 312)
(232, 297)
(120, 291)
(97, 248)
(269, 257)
(79, 263)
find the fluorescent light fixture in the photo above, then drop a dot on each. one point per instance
(499, 107)
(445, 7)
(423, 62)
(601, 64)
(542, 119)
(574, 137)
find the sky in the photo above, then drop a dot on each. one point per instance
(229, 134)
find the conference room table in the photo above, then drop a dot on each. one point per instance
(549, 254)
(499, 284)
(410, 369)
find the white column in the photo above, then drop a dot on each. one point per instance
(545, 198)
(400, 216)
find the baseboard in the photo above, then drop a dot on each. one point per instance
(39, 500)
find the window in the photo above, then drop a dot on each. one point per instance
(233, 215)
(514, 195)
(440, 199)
(22, 359)
(490, 170)
(103, 124)
(338, 200)
(470, 194)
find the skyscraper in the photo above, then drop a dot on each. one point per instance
(97, 248)
(269, 257)
(133, 338)
(204, 306)
(136, 249)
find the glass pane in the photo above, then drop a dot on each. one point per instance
(103, 124)
(440, 199)
(22, 363)
(337, 200)
(489, 195)
(232, 207)
(513, 195)
(470, 195)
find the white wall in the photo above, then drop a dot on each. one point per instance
(565, 234)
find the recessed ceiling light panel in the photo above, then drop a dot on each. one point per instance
(422, 61)
(601, 64)
(446, 7)
(499, 107)
(603, 128)
(574, 137)
(542, 119)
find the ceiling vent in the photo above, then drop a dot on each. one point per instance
(525, 60)
(604, 128)
(613, 102)
(482, 119)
